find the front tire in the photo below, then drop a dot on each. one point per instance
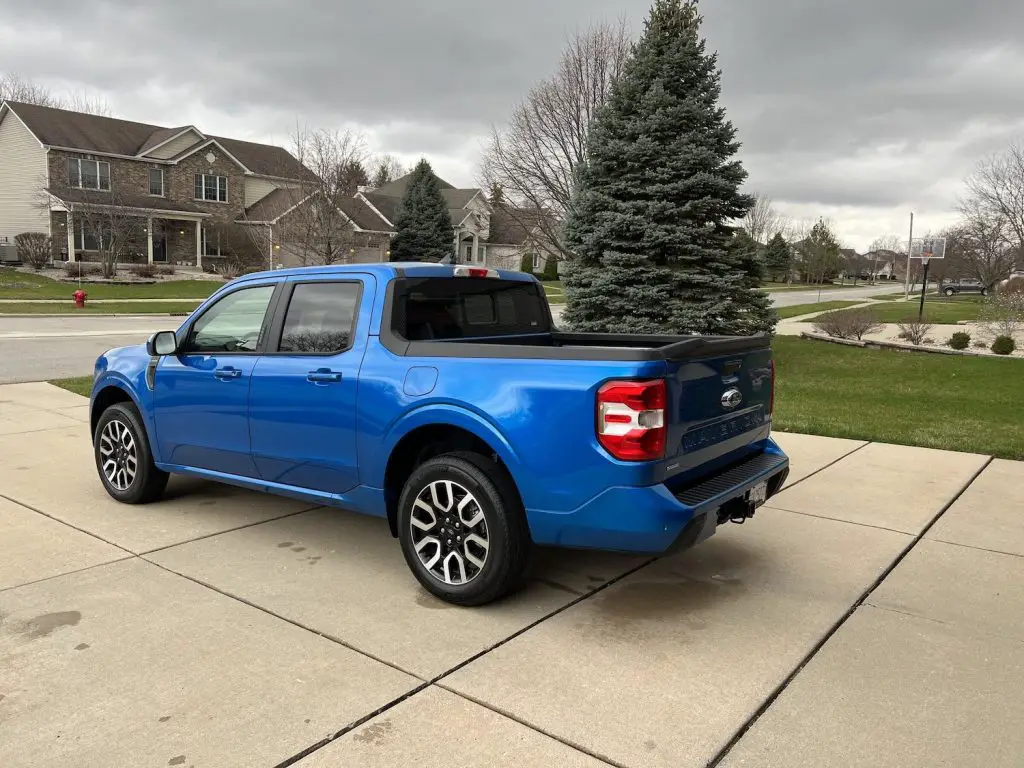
(950, 292)
(463, 530)
(124, 459)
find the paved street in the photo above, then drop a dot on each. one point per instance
(42, 348)
(871, 616)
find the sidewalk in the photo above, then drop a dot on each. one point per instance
(870, 616)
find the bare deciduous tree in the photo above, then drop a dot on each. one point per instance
(13, 87)
(384, 169)
(763, 221)
(534, 158)
(982, 246)
(316, 229)
(34, 249)
(996, 189)
(114, 230)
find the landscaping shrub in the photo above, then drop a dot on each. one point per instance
(165, 270)
(34, 249)
(979, 344)
(960, 340)
(526, 263)
(143, 270)
(914, 330)
(1003, 314)
(550, 269)
(1004, 345)
(80, 269)
(848, 323)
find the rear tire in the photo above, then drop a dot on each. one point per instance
(463, 530)
(950, 292)
(124, 459)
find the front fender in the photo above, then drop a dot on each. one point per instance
(442, 414)
(134, 386)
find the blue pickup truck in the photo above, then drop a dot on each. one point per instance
(444, 399)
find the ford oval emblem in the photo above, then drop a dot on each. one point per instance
(731, 399)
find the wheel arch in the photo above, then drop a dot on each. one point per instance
(422, 442)
(111, 393)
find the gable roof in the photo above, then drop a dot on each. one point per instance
(512, 226)
(112, 136)
(270, 208)
(397, 187)
(363, 216)
(162, 135)
(387, 205)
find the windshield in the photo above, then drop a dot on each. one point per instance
(467, 307)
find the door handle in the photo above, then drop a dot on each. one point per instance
(323, 376)
(227, 373)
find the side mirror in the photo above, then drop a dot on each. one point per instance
(162, 343)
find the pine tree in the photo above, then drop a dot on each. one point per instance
(423, 227)
(778, 258)
(656, 196)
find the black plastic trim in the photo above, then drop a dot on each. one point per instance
(721, 483)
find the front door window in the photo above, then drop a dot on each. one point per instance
(233, 324)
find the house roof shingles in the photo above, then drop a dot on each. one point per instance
(273, 206)
(364, 217)
(112, 136)
(141, 202)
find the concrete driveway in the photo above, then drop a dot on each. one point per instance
(872, 616)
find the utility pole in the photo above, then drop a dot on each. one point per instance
(910, 249)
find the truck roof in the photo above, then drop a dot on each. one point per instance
(393, 269)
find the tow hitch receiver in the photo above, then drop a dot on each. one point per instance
(741, 509)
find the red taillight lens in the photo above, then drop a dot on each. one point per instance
(631, 419)
(771, 400)
(477, 272)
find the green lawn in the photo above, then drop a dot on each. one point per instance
(937, 311)
(15, 284)
(554, 291)
(80, 385)
(936, 401)
(107, 308)
(806, 309)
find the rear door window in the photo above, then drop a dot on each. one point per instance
(320, 318)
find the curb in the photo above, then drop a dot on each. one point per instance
(903, 347)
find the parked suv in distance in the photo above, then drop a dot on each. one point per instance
(964, 285)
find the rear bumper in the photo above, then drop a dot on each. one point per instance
(656, 520)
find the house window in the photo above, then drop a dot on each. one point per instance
(211, 188)
(90, 237)
(88, 174)
(211, 243)
(156, 182)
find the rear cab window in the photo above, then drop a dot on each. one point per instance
(429, 309)
(320, 318)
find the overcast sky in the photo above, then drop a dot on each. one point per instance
(860, 112)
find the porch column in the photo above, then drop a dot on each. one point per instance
(458, 234)
(71, 236)
(199, 244)
(270, 244)
(149, 241)
(476, 247)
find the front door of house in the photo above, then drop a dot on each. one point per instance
(159, 244)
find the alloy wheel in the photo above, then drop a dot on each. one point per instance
(118, 455)
(449, 532)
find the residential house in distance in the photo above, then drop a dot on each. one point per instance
(179, 182)
(191, 194)
(484, 234)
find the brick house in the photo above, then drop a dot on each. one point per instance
(184, 187)
(496, 236)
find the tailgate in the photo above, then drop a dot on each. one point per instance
(717, 405)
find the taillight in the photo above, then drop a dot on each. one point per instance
(631, 419)
(771, 400)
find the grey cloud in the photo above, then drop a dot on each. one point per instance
(862, 108)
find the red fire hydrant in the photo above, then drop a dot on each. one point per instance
(79, 297)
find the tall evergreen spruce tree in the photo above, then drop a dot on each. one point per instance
(778, 258)
(651, 214)
(423, 228)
